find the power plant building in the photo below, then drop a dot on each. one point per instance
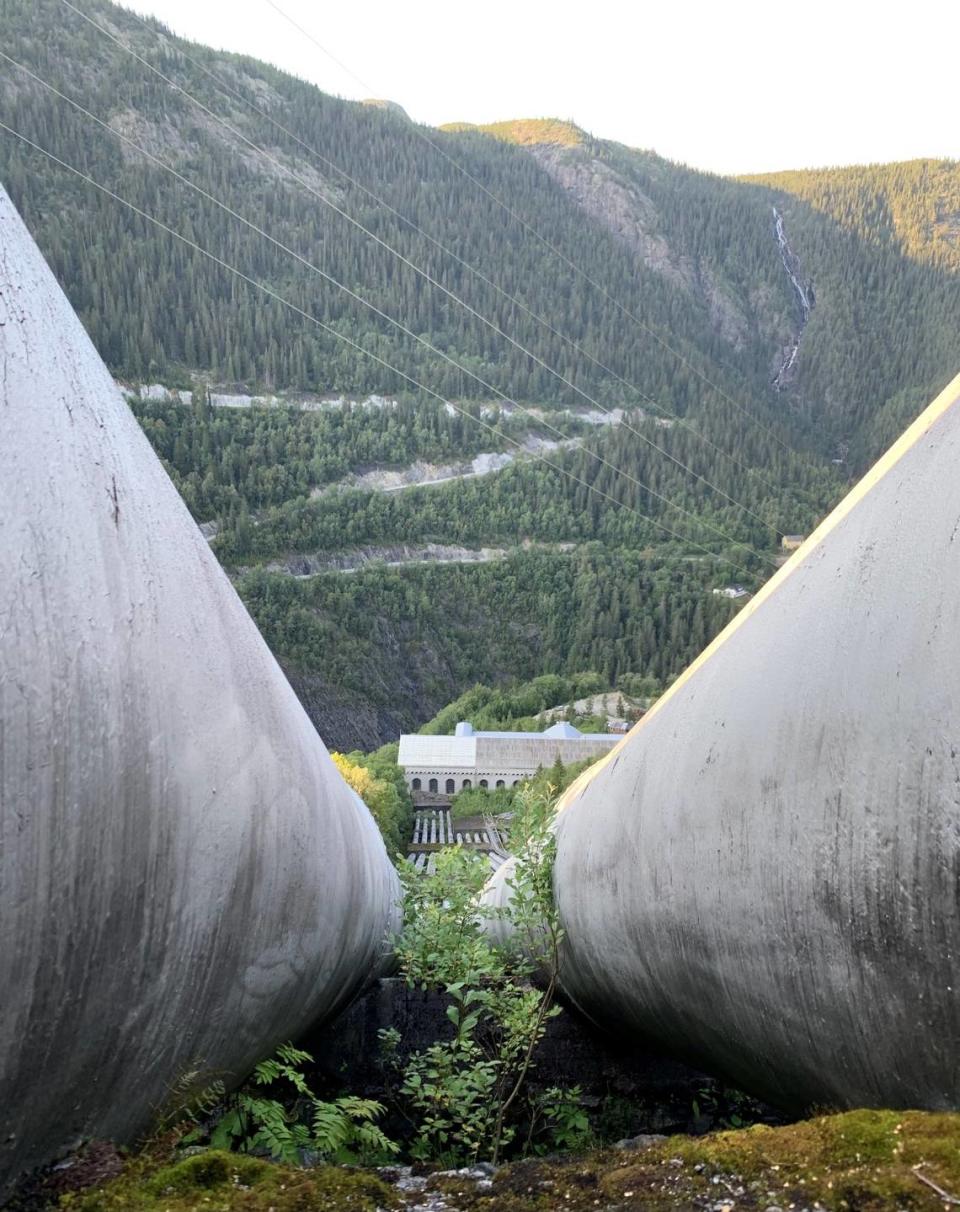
(444, 765)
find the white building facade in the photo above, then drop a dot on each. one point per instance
(444, 765)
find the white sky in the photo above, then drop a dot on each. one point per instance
(733, 86)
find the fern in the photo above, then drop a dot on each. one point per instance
(230, 1128)
(192, 1097)
(343, 1130)
(374, 1142)
(293, 1056)
(331, 1128)
(346, 1127)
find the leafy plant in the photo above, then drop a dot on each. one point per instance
(451, 1086)
(564, 1120)
(726, 1107)
(460, 1094)
(342, 1130)
(193, 1097)
(463, 1092)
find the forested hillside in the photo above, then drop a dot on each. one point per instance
(527, 707)
(883, 246)
(913, 207)
(378, 652)
(692, 255)
(595, 278)
(230, 461)
(240, 338)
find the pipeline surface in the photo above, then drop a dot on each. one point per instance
(185, 879)
(764, 875)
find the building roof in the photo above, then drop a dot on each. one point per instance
(561, 731)
(564, 730)
(460, 750)
(416, 750)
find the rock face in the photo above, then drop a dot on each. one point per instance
(390, 106)
(764, 874)
(626, 211)
(184, 877)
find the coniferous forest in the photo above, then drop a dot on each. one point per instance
(596, 278)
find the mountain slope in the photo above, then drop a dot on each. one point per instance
(913, 207)
(378, 652)
(761, 340)
(693, 256)
(236, 335)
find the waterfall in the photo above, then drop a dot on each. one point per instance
(804, 295)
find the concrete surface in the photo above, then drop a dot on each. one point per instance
(184, 876)
(764, 873)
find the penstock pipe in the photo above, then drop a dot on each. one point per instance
(764, 874)
(185, 878)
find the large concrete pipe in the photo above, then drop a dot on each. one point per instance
(184, 876)
(764, 874)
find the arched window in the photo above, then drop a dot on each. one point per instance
(501, 783)
(451, 786)
(433, 784)
(516, 782)
(415, 784)
(467, 783)
(484, 783)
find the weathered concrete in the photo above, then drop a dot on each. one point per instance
(764, 873)
(184, 876)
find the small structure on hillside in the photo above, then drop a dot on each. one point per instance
(440, 766)
(790, 542)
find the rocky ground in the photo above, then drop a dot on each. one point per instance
(859, 1161)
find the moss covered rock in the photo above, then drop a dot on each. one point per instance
(227, 1182)
(860, 1161)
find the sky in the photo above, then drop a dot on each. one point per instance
(734, 86)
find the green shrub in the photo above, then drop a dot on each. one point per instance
(342, 1130)
(463, 1094)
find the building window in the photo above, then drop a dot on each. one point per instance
(415, 784)
(467, 783)
(516, 782)
(501, 783)
(451, 786)
(433, 784)
(483, 783)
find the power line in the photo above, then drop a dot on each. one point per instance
(359, 298)
(372, 307)
(353, 344)
(228, 88)
(543, 240)
(428, 278)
